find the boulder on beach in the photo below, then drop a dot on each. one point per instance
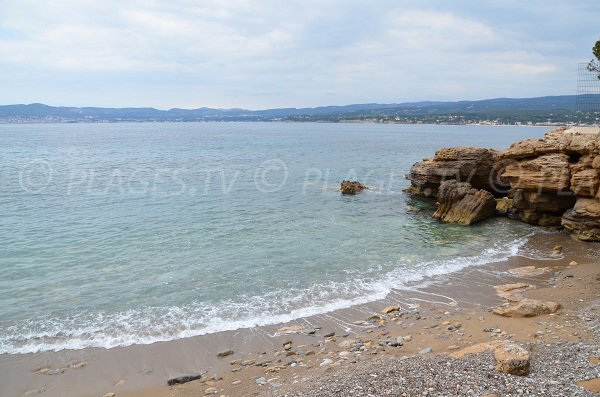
(351, 187)
(512, 359)
(459, 202)
(527, 308)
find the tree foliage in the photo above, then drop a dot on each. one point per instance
(594, 65)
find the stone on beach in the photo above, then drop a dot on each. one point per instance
(292, 329)
(183, 379)
(390, 309)
(527, 308)
(512, 359)
(511, 292)
(225, 353)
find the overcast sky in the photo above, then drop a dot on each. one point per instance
(286, 53)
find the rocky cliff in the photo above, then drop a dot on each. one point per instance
(553, 181)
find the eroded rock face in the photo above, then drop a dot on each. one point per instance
(540, 208)
(545, 173)
(465, 164)
(351, 187)
(459, 202)
(584, 219)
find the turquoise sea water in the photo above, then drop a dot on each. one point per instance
(115, 234)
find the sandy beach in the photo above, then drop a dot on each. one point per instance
(438, 319)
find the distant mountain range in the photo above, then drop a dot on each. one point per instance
(548, 108)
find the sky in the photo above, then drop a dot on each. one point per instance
(273, 53)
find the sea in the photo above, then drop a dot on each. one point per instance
(131, 233)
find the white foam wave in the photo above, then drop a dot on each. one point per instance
(157, 324)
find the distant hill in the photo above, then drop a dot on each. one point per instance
(549, 108)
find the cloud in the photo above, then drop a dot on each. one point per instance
(255, 54)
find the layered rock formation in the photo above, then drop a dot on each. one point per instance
(554, 181)
(465, 164)
(460, 203)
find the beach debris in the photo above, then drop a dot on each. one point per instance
(573, 263)
(326, 362)
(427, 350)
(388, 310)
(512, 359)
(287, 345)
(261, 381)
(211, 390)
(529, 271)
(292, 329)
(527, 308)
(79, 364)
(35, 391)
(348, 343)
(109, 395)
(225, 353)
(184, 379)
(236, 382)
(351, 187)
(329, 335)
(120, 382)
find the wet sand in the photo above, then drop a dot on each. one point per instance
(427, 313)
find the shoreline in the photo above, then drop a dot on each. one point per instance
(143, 370)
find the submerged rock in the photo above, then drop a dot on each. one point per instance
(459, 202)
(351, 187)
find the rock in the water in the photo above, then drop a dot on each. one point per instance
(183, 379)
(351, 187)
(459, 202)
(512, 359)
(527, 308)
(584, 219)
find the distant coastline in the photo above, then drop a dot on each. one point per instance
(541, 111)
